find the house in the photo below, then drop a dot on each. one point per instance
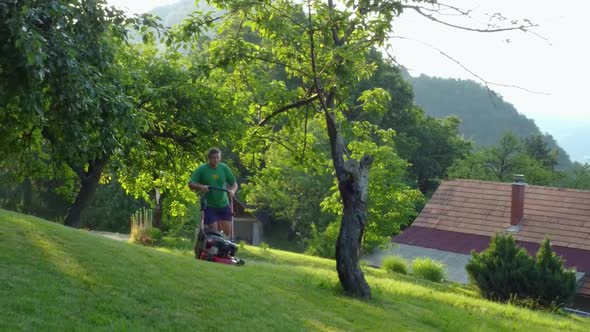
(463, 215)
(246, 226)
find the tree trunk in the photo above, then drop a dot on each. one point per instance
(352, 227)
(353, 182)
(157, 197)
(158, 216)
(88, 185)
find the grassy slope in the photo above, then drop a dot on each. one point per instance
(54, 278)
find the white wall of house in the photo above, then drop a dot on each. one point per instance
(454, 263)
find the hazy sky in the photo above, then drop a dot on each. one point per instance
(557, 66)
(140, 6)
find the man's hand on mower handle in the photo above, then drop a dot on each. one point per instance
(231, 194)
(203, 188)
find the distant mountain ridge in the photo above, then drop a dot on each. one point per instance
(485, 116)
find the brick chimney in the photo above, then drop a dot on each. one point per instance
(517, 208)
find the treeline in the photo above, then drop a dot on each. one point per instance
(532, 157)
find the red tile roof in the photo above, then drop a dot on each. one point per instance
(483, 208)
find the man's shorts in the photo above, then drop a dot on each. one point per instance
(213, 214)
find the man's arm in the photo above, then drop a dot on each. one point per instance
(197, 186)
(233, 189)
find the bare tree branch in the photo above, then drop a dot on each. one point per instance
(486, 82)
(276, 62)
(276, 140)
(422, 11)
(288, 107)
(305, 135)
(183, 139)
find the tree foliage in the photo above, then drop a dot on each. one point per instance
(431, 145)
(181, 112)
(500, 162)
(60, 86)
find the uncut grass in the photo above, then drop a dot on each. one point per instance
(54, 278)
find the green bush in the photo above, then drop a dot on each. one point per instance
(507, 273)
(429, 269)
(555, 285)
(146, 236)
(395, 264)
(323, 244)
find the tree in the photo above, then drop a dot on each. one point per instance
(500, 162)
(301, 191)
(181, 111)
(536, 147)
(291, 186)
(578, 177)
(325, 47)
(60, 86)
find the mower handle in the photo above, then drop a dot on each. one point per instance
(218, 188)
(204, 202)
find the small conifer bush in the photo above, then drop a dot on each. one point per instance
(505, 272)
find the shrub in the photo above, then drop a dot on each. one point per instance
(146, 236)
(395, 264)
(502, 271)
(264, 245)
(429, 269)
(323, 244)
(142, 231)
(505, 272)
(155, 235)
(555, 285)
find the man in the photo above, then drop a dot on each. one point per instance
(217, 215)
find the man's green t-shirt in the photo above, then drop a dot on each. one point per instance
(215, 177)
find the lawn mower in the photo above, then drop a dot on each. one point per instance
(214, 246)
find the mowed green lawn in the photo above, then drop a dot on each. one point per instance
(57, 278)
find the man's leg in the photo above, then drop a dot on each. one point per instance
(212, 227)
(226, 227)
(210, 220)
(225, 217)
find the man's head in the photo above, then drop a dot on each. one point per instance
(214, 156)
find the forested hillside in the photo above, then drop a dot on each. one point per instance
(485, 116)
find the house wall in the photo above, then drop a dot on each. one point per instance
(454, 263)
(248, 229)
